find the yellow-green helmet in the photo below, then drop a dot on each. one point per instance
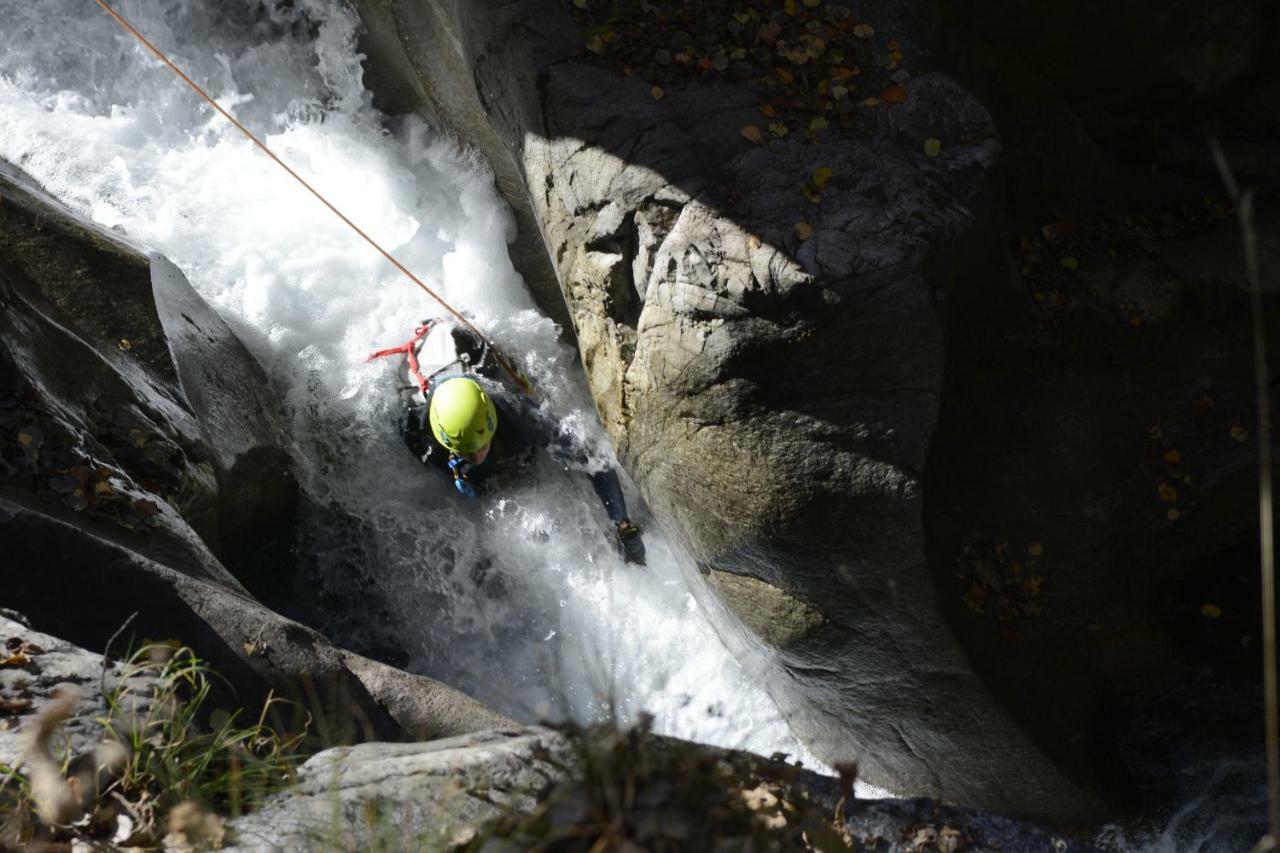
(462, 416)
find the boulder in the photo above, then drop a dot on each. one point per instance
(28, 688)
(461, 793)
(432, 795)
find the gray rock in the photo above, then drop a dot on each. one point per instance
(55, 664)
(424, 708)
(777, 618)
(420, 795)
(447, 792)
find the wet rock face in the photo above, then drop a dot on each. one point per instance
(125, 397)
(761, 329)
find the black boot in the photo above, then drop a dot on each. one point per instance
(630, 545)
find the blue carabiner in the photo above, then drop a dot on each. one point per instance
(460, 467)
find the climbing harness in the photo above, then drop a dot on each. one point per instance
(520, 379)
(410, 351)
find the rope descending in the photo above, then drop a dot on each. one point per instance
(516, 375)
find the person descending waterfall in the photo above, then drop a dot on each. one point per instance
(464, 420)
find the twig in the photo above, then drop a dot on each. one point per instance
(1244, 209)
(106, 652)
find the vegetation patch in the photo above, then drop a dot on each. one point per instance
(166, 770)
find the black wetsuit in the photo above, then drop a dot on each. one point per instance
(522, 431)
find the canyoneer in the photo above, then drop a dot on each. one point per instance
(475, 423)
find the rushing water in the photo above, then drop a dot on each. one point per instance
(522, 601)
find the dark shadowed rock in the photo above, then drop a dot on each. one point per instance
(101, 343)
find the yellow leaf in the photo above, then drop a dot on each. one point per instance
(657, 93)
(1173, 514)
(753, 242)
(777, 128)
(1239, 433)
(932, 147)
(819, 123)
(1070, 262)
(864, 31)
(125, 345)
(871, 102)
(820, 176)
(752, 133)
(25, 439)
(1156, 433)
(1035, 549)
(595, 44)
(804, 230)
(1210, 611)
(1167, 493)
(1173, 457)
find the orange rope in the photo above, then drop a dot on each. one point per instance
(515, 374)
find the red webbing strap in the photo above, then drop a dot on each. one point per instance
(411, 354)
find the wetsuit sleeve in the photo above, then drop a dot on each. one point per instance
(610, 492)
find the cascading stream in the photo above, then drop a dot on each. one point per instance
(521, 601)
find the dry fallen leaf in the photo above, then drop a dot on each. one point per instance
(1173, 457)
(871, 102)
(777, 128)
(657, 93)
(864, 31)
(1210, 611)
(819, 123)
(894, 94)
(1239, 433)
(820, 176)
(1173, 514)
(14, 706)
(804, 230)
(752, 133)
(1070, 263)
(1167, 493)
(1035, 549)
(932, 147)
